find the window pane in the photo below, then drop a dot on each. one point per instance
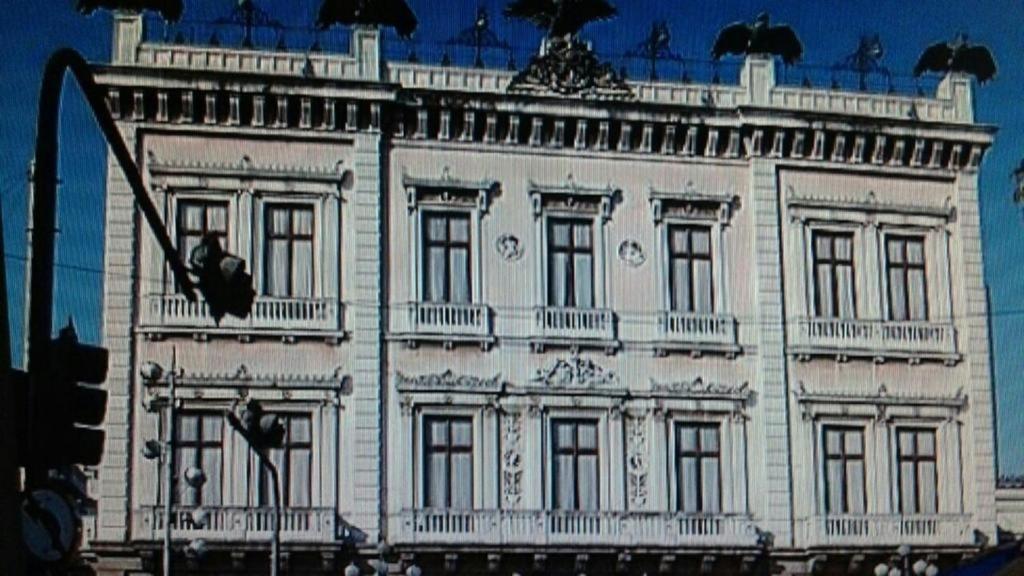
(907, 444)
(462, 433)
(588, 482)
(303, 222)
(701, 240)
(709, 485)
(680, 241)
(702, 286)
(558, 278)
(709, 440)
(581, 236)
(565, 482)
(299, 470)
(300, 430)
(897, 295)
(845, 286)
(833, 442)
(437, 262)
(927, 488)
(188, 428)
(854, 443)
(587, 437)
(687, 438)
(822, 246)
(855, 486)
(834, 487)
(925, 444)
(459, 229)
(437, 480)
(895, 251)
(824, 290)
(302, 273)
(460, 276)
(437, 433)
(915, 252)
(193, 217)
(918, 295)
(462, 480)
(565, 435)
(908, 503)
(278, 268)
(681, 285)
(280, 221)
(843, 248)
(437, 228)
(584, 279)
(690, 490)
(217, 218)
(560, 234)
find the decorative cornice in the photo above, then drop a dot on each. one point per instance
(576, 372)
(446, 180)
(244, 168)
(447, 189)
(447, 381)
(881, 398)
(243, 376)
(869, 203)
(605, 197)
(694, 203)
(698, 388)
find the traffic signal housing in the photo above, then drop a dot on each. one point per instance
(226, 286)
(260, 429)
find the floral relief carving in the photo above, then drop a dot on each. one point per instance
(512, 459)
(637, 462)
(447, 380)
(576, 372)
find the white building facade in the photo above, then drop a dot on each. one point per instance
(716, 328)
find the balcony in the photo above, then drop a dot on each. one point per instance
(296, 316)
(443, 322)
(696, 332)
(938, 530)
(554, 528)
(238, 524)
(593, 327)
(843, 337)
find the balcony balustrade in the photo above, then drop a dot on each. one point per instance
(548, 527)
(875, 338)
(887, 530)
(239, 524)
(268, 313)
(684, 330)
(576, 324)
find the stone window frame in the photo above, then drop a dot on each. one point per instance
(601, 419)
(733, 444)
(421, 413)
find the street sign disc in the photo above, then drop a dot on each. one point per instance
(50, 526)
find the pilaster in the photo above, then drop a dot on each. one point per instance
(127, 36)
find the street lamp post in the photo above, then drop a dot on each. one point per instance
(893, 568)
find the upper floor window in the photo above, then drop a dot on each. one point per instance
(198, 218)
(918, 474)
(575, 465)
(446, 257)
(288, 265)
(834, 280)
(689, 258)
(698, 468)
(844, 471)
(908, 293)
(448, 469)
(570, 263)
(294, 462)
(199, 443)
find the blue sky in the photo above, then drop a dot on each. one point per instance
(30, 30)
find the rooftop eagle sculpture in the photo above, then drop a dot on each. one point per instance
(393, 13)
(758, 38)
(958, 56)
(560, 18)
(170, 10)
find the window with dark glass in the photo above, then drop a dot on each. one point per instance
(689, 265)
(570, 263)
(834, 281)
(918, 472)
(698, 468)
(446, 255)
(844, 471)
(575, 469)
(199, 443)
(908, 293)
(448, 450)
(294, 462)
(288, 264)
(196, 219)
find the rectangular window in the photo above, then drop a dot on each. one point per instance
(834, 282)
(570, 263)
(448, 470)
(844, 471)
(575, 469)
(294, 462)
(196, 219)
(689, 265)
(908, 293)
(199, 443)
(288, 262)
(918, 472)
(698, 461)
(446, 258)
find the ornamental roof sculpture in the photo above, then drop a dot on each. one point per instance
(393, 13)
(958, 56)
(566, 65)
(758, 38)
(169, 10)
(575, 372)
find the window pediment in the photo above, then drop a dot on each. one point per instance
(570, 196)
(691, 204)
(447, 190)
(881, 405)
(866, 208)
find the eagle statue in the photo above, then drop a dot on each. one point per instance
(393, 13)
(958, 56)
(758, 38)
(560, 18)
(170, 10)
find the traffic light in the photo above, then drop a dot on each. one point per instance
(226, 286)
(67, 412)
(260, 429)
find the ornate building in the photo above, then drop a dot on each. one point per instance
(643, 328)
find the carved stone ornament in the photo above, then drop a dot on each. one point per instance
(568, 66)
(509, 247)
(637, 462)
(576, 372)
(632, 253)
(448, 380)
(698, 387)
(512, 459)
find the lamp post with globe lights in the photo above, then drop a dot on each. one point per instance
(900, 565)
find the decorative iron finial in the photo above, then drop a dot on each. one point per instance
(250, 16)
(479, 36)
(958, 56)
(866, 59)
(657, 46)
(392, 13)
(168, 9)
(560, 18)
(758, 38)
